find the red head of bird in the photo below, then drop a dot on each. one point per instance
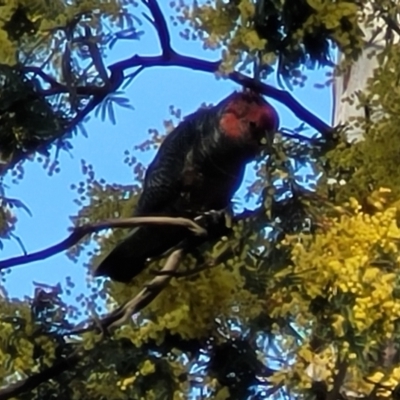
(248, 117)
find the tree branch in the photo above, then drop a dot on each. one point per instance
(111, 321)
(30, 383)
(120, 316)
(169, 57)
(79, 232)
(197, 64)
(47, 78)
(341, 367)
(161, 27)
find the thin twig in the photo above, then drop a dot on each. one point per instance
(79, 232)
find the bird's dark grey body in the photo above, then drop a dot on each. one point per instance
(196, 169)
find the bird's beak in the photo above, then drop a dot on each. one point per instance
(270, 139)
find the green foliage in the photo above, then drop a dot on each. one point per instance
(372, 163)
(310, 282)
(42, 62)
(27, 119)
(296, 33)
(51, 57)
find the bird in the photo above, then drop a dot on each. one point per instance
(198, 167)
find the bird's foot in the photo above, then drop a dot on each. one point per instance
(216, 222)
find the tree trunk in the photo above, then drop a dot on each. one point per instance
(354, 79)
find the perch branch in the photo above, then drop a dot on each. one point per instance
(224, 256)
(151, 290)
(111, 321)
(81, 231)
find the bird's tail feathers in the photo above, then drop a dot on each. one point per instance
(129, 257)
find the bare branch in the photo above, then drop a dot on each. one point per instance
(285, 98)
(90, 41)
(111, 321)
(197, 64)
(341, 367)
(81, 231)
(47, 78)
(167, 271)
(146, 295)
(161, 27)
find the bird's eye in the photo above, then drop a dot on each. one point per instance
(252, 125)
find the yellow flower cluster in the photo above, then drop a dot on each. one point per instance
(7, 49)
(147, 368)
(353, 266)
(306, 368)
(247, 38)
(189, 306)
(358, 256)
(387, 383)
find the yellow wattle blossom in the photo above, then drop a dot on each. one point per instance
(189, 307)
(147, 368)
(346, 286)
(123, 384)
(344, 263)
(337, 325)
(247, 9)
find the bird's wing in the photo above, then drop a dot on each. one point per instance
(160, 191)
(166, 176)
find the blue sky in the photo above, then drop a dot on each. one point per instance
(50, 199)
